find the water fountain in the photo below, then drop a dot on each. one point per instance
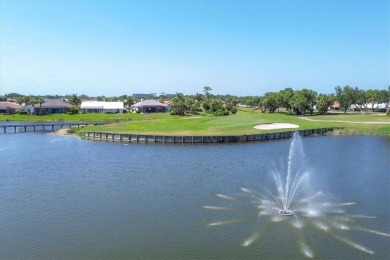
(290, 200)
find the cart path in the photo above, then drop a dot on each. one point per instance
(341, 121)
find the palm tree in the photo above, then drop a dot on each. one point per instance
(178, 105)
(129, 101)
(207, 90)
(40, 100)
(75, 100)
(189, 101)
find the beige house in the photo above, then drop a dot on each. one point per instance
(7, 107)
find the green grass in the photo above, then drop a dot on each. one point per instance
(89, 117)
(356, 123)
(242, 123)
(238, 124)
(358, 117)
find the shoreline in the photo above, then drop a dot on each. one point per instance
(62, 131)
(192, 139)
(152, 138)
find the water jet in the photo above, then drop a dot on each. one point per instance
(286, 212)
(289, 192)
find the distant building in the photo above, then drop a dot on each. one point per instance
(152, 95)
(50, 106)
(380, 107)
(149, 106)
(7, 107)
(335, 105)
(102, 107)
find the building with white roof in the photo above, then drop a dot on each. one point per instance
(102, 107)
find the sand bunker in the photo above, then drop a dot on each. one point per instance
(275, 126)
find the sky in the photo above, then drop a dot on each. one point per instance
(243, 47)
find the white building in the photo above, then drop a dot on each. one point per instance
(102, 107)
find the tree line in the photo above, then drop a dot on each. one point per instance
(306, 101)
(298, 102)
(207, 102)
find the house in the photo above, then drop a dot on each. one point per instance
(382, 107)
(149, 106)
(379, 107)
(102, 107)
(7, 107)
(50, 106)
(335, 105)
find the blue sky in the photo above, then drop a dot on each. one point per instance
(245, 47)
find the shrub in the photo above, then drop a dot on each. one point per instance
(43, 112)
(71, 131)
(206, 106)
(172, 112)
(73, 110)
(221, 112)
(233, 110)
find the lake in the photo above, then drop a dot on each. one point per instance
(66, 197)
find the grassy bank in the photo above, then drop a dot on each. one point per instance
(243, 122)
(89, 117)
(238, 124)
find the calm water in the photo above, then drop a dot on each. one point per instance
(65, 197)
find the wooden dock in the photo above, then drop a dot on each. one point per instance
(41, 127)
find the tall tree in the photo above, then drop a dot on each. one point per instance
(207, 91)
(285, 97)
(74, 100)
(270, 101)
(23, 100)
(129, 101)
(383, 96)
(40, 101)
(324, 102)
(303, 100)
(178, 105)
(346, 96)
(189, 101)
(373, 96)
(198, 97)
(362, 99)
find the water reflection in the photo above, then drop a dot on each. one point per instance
(63, 197)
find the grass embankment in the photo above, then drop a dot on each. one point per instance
(355, 123)
(243, 122)
(238, 124)
(89, 117)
